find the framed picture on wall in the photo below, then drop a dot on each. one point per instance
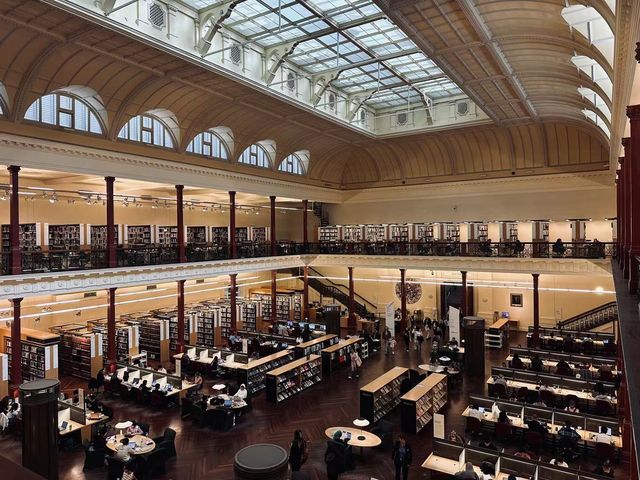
(516, 300)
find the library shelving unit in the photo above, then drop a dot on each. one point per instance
(98, 235)
(260, 234)
(376, 233)
(139, 234)
(379, 397)
(315, 346)
(219, 235)
(64, 237)
(154, 336)
(242, 234)
(352, 233)
(423, 231)
(497, 333)
(190, 328)
(419, 404)
(127, 337)
(449, 231)
(478, 231)
(208, 325)
(81, 350)
(337, 355)
(30, 236)
(288, 304)
(292, 378)
(39, 353)
(196, 235)
(253, 374)
(167, 235)
(400, 233)
(331, 233)
(297, 308)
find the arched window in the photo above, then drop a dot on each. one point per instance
(595, 72)
(156, 127)
(597, 101)
(209, 144)
(589, 22)
(259, 154)
(296, 163)
(597, 119)
(4, 100)
(65, 109)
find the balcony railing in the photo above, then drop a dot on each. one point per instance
(40, 261)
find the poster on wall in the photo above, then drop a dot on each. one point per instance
(389, 318)
(454, 323)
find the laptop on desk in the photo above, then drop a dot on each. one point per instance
(63, 426)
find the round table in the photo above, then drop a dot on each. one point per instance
(428, 367)
(359, 438)
(218, 387)
(262, 461)
(141, 444)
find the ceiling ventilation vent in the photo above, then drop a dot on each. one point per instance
(462, 108)
(291, 81)
(156, 15)
(235, 52)
(402, 118)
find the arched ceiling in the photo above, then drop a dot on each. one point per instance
(539, 127)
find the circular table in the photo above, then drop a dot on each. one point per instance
(218, 387)
(431, 368)
(262, 461)
(143, 444)
(359, 438)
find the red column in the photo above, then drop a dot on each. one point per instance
(111, 325)
(305, 293)
(626, 143)
(272, 200)
(618, 212)
(464, 306)
(16, 344)
(14, 222)
(182, 257)
(180, 316)
(274, 303)
(536, 311)
(232, 301)
(403, 299)
(351, 325)
(623, 211)
(233, 248)
(111, 234)
(305, 235)
(633, 112)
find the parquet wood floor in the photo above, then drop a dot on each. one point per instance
(208, 454)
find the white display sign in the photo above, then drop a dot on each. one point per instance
(454, 323)
(390, 319)
(245, 345)
(438, 425)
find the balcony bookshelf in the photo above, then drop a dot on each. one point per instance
(98, 236)
(196, 235)
(376, 233)
(30, 237)
(167, 236)
(139, 235)
(64, 237)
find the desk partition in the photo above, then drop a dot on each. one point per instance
(574, 333)
(571, 358)
(448, 450)
(511, 465)
(552, 380)
(68, 411)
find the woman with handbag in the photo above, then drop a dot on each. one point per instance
(298, 452)
(356, 363)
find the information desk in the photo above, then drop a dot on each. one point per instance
(73, 418)
(382, 395)
(338, 354)
(550, 361)
(359, 438)
(587, 426)
(315, 345)
(293, 377)
(143, 444)
(253, 374)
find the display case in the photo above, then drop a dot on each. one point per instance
(293, 378)
(420, 403)
(254, 373)
(380, 397)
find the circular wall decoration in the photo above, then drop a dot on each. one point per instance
(414, 291)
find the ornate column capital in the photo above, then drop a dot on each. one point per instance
(633, 112)
(626, 142)
(620, 161)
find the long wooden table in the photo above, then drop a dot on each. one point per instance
(515, 384)
(85, 430)
(552, 364)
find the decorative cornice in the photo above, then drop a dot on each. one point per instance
(633, 112)
(626, 142)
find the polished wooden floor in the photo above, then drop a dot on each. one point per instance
(208, 454)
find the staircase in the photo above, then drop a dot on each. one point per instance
(319, 212)
(591, 319)
(340, 293)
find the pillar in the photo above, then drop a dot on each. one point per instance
(622, 221)
(182, 257)
(233, 277)
(111, 325)
(111, 234)
(14, 222)
(626, 143)
(233, 248)
(305, 293)
(180, 342)
(351, 324)
(274, 303)
(272, 201)
(633, 112)
(403, 300)
(16, 343)
(305, 235)
(464, 306)
(618, 212)
(535, 337)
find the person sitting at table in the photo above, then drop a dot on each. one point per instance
(453, 342)
(197, 380)
(156, 388)
(500, 380)
(598, 389)
(161, 369)
(602, 436)
(563, 368)
(487, 443)
(123, 451)
(503, 417)
(571, 408)
(535, 426)
(306, 334)
(134, 429)
(558, 248)
(522, 453)
(125, 376)
(539, 402)
(516, 361)
(115, 383)
(215, 363)
(543, 387)
(128, 473)
(235, 341)
(567, 434)
(468, 473)
(242, 392)
(144, 387)
(536, 363)
(558, 461)
(487, 470)
(474, 411)
(606, 469)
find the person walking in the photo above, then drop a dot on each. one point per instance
(402, 457)
(407, 337)
(356, 363)
(386, 338)
(419, 339)
(298, 451)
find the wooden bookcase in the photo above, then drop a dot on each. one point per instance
(154, 336)
(64, 237)
(337, 355)
(139, 234)
(254, 373)
(400, 233)
(329, 233)
(293, 378)
(352, 233)
(423, 232)
(167, 235)
(98, 235)
(30, 236)
(260, 234)
(220, 235)
(315, 346)
(39, 353)
(376, 233)
(381, 396)
(196, 235)
(81, 351)
(420, 403)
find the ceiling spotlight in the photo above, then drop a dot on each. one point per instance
(44, 194)
(71, 201)
(88, 199)
(97, 200)
(36, 320)
(257, 211)
(205, 209)
(125, 202)
(155, 204)
(3, 195)
(53, 198)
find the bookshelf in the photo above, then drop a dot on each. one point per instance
(338, 355)
(127, 337)
(315, 346)
(190, 330)
(167, 236)
(4, 375)
(30, 234)
(98, 236)
(293, 378)
(375, 233)
(154, 336)
(478, 232)
(197, 235)
(219, 235)
(400, 233)
(423, 232)
(420, 403)
(208, 322)
(382, 395)
(242, 234)
(254, 373)
(450, 232)
(81, 351)
(260, 234)
(39, 356)
(139, 234)
(297, 308)
(352, 233)
(249, 314)
(64, 237)
(329, 234)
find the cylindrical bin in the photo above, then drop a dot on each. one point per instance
(39, 402)
(262, 461)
